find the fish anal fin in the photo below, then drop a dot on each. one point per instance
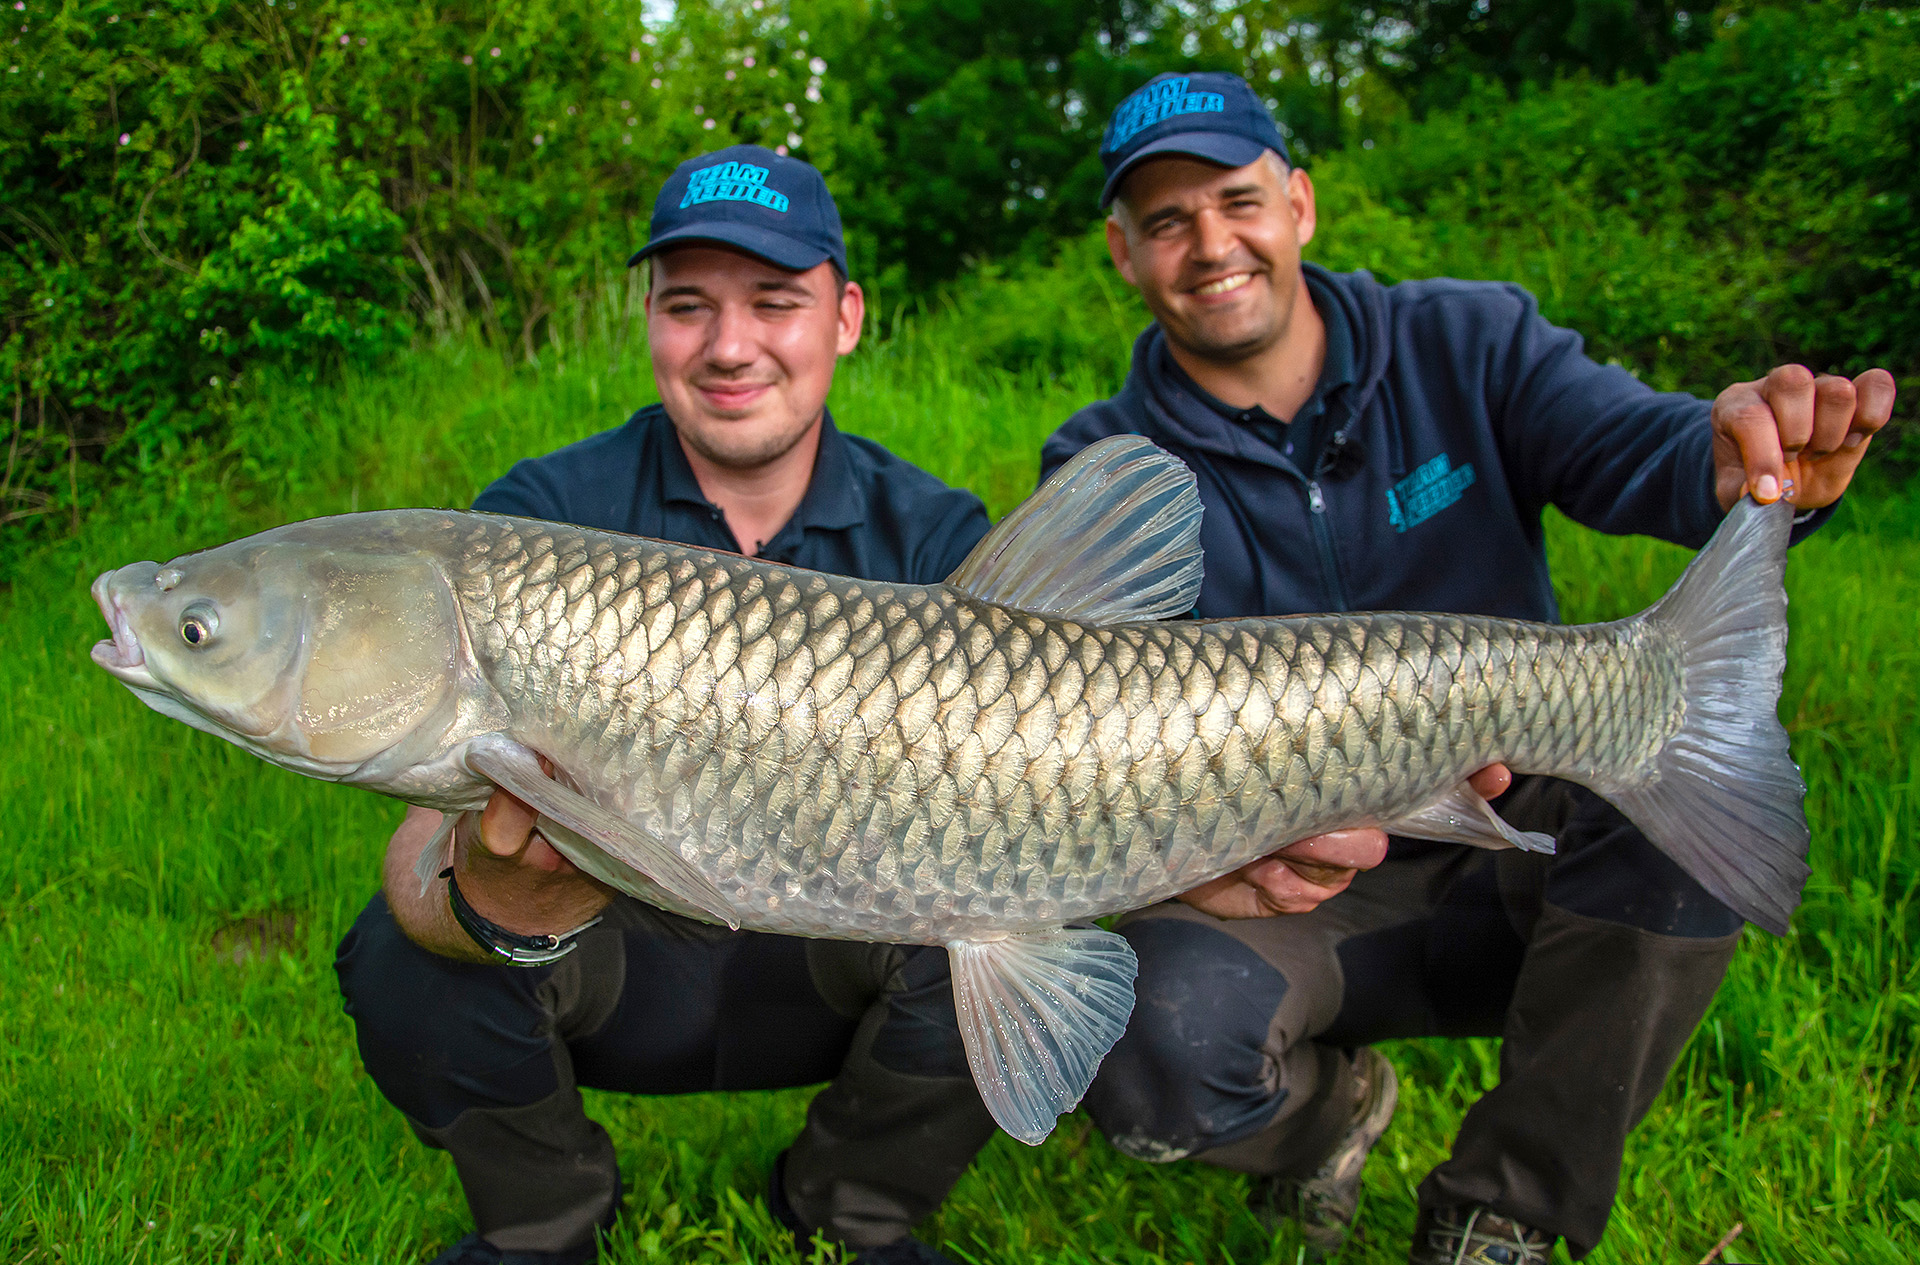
(516, 769)
(1037, 1013)
(1462, 815)
(1112, 537)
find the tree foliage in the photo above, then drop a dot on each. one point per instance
(202, 192)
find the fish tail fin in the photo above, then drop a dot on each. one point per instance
(1724, 798)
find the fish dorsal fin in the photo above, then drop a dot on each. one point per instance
(1037, 1014)
(1112, 537)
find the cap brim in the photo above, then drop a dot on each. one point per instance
(781, 252)
(1214, 147)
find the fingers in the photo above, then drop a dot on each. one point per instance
(1873, 393)
(1796, 435)
(1492, 782)
(506, 825)
(1833, 405)
(1361, 848)
(1278, 886)
(1766, 423)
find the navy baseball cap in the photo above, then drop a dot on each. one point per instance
(773, 207)
(1210, 115)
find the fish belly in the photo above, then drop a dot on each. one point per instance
(902, 763)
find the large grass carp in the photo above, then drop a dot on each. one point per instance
(986, 763)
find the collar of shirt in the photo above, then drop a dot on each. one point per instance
(831, 502)
(1338, 370)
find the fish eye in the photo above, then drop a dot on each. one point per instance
(197, 625)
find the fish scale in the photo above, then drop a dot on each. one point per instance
(918, 755)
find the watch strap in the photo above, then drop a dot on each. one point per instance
(509, 946)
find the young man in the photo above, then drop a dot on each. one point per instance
(1360, 447)
(480, 1016)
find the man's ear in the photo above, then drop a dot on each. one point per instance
(853, 318)
(1120, 250)
(1300, 194)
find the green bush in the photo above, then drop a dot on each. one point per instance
(201, 193)
(211, 189)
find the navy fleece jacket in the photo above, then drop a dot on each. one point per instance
(1470, 414)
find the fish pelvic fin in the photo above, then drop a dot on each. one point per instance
(1112, 537)
(1037, 1014)
(438, 854)
(1724, 798)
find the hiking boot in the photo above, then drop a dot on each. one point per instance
(1325, 1203)
(474, 1250)
(903, 1251)
(1475, 1236)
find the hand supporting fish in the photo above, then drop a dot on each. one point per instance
(985, 764)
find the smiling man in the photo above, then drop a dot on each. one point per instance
(1370, 447)
(484, 1003)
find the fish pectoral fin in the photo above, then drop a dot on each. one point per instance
(1112, 537)
(1462, 815)
(516, 770)
(438, 854)
(1038, 1013)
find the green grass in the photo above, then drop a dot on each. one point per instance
(177, 1082)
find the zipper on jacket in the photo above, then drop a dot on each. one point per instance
(1323, 537)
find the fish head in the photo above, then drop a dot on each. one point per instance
(316, 656)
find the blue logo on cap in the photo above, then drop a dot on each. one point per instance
(733, 182)
(1159, 101)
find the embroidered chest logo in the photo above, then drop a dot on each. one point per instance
(1428, 490)
(732, 182)
(1159, 101)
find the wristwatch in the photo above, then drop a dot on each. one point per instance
(509, 945)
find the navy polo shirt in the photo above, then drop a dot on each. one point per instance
(866, 513)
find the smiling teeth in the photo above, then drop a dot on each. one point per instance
(1225, 284)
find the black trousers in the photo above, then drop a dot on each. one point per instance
(1595, 965)
(485, 1061)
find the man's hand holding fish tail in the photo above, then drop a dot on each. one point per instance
(1369, 447)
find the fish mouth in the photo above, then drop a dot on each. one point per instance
(120, 653)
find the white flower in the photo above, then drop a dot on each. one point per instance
(656, 83)
(793, 139)
(818, 66)
(634, 55)
(495, 52)
(813, 93)
(539, 139)
(708, 125)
